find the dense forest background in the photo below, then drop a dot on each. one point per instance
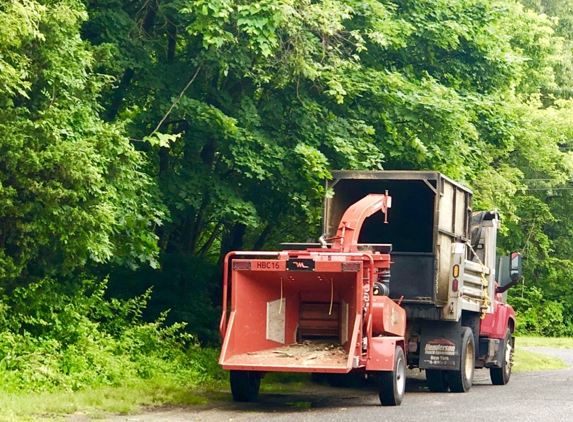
(142, 140)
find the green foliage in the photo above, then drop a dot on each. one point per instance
(72, 188)
(539, 316)
(185, 284)
(70, 337)
(258, 100)
(173, 132)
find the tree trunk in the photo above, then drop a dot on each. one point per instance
(237, 237)
(119, 94)
(262, 238)
(205, 248)
(233, 241)
(208, 152)
(171, 41)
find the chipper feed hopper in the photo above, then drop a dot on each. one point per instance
(315, 308)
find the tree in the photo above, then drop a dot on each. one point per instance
(236, 110)
(72, 187)
(250, 103)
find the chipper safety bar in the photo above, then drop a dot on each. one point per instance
(315, 310)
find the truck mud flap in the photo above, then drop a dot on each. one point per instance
(491, 352)
(440, 346)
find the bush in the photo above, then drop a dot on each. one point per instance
(69, 336)
(540, 316)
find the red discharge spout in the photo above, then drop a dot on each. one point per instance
(351, 222)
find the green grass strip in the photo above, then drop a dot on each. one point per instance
(94, 403)
(559, 343)
(525, 361)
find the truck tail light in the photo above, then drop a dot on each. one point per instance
(455, 285)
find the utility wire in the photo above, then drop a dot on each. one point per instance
(549, 189)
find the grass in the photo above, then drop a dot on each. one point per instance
(525, 361)
(94, 403)
(561, 342)
(284, 382)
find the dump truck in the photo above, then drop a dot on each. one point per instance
(404, 275)
(444, 271)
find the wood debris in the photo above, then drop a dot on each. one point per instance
(306, 353)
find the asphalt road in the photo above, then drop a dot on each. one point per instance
(533, 396)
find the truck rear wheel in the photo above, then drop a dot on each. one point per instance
(437, 380)
(500, 376)
(245, 385)
(462, 380)
(392, 385)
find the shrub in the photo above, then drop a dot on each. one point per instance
(69, 336)
(540, 316)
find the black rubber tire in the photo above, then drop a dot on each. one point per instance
(500, 376)
(437, 380)
(392, 385)
(461, 381)
(245, 385)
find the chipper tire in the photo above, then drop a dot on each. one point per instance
(392, 384)
(500, 376)
(461, 381)
(245, 385)
(437, 380)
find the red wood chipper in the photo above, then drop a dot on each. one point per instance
(316, 308)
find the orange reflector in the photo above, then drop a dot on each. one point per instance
(241, 265)
(455, 285)
(456, 271)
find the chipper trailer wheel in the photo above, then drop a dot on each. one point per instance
(500, 376)
(392, 384)
(462, 380)
(245, 385)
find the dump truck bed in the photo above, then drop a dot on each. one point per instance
(429, 213)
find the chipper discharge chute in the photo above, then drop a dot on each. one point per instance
(315, 308)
